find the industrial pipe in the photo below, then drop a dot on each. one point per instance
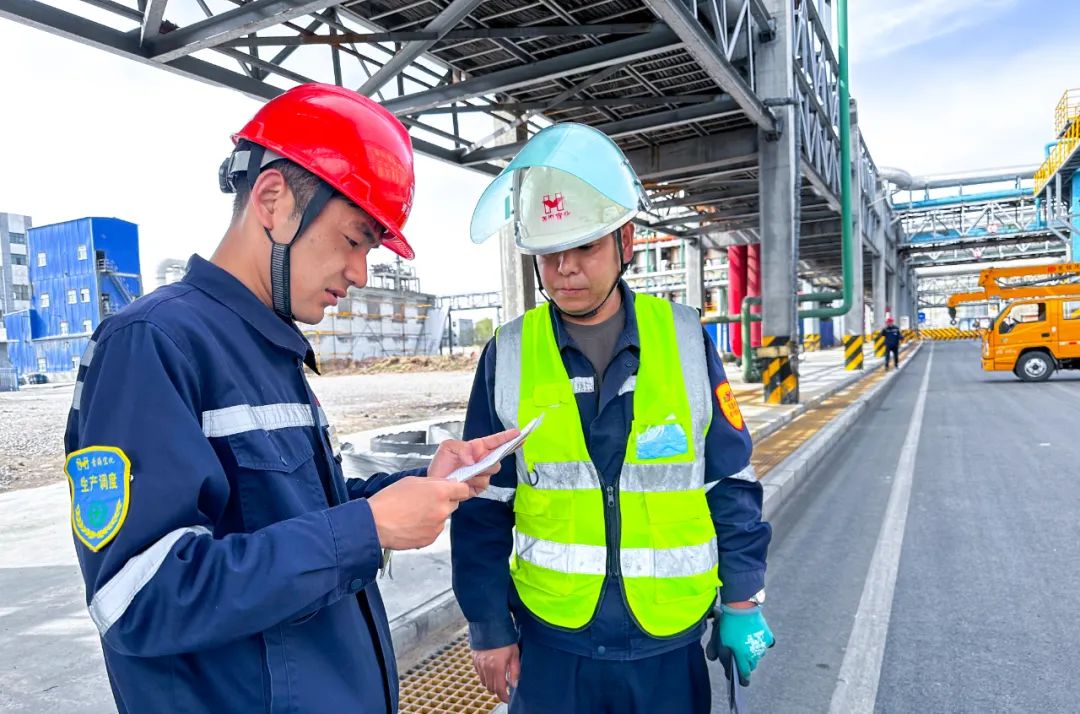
(904, 181)
(847, 240)
(1004, 194)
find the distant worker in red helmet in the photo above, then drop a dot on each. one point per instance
(229, 565)
(892, 336)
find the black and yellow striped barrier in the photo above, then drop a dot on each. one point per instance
(879, 345)
(949, 333)
(812, 343)
(908, 335)
(780, 380)
(853, 352)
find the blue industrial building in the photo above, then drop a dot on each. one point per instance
(81, 272)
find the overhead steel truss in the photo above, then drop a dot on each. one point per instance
(672, 82)
(967, 229)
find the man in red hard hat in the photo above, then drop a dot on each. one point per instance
(229, 566)
(893, 337)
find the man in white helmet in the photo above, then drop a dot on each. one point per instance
(587, 571)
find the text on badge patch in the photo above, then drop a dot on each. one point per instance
(98, 477)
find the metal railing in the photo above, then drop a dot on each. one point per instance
(1067, 109)
(1067, 129)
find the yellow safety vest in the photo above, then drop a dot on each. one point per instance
(666, 556)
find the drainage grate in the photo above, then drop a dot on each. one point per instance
(446, 682)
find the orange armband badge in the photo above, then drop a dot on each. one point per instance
(729, 406)
(98, 477)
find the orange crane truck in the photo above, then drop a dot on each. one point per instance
(1038, 331)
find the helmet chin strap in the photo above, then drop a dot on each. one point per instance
(617, 234)
(280, 253)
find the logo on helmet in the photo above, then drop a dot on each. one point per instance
(554, 208)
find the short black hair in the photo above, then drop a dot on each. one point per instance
(300, 181)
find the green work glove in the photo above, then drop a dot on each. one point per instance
(744, 633)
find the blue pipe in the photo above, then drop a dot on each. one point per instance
(967, 198)
(1049, 147)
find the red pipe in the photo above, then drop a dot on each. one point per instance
(736, 255)
(753, 289)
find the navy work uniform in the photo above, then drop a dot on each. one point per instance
(610, 664)
(229, 566)
(892, 336)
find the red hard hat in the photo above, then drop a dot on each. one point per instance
(349, 141)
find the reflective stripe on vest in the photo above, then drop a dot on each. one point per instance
(666, 555)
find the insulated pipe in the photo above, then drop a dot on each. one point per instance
(753, 290)
(748, 323)
(963, 198)
(736, 290)
(904, 181)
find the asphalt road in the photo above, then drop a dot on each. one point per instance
(982, 602)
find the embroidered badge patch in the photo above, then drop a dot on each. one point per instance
(729, 406)
(99, 480)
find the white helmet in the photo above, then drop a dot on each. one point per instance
(568, 186)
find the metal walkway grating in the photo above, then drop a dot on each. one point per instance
(445, 682)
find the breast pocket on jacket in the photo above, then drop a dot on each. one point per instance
(276, 475)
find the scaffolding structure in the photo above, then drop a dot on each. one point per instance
(659, 268)
(389, 317)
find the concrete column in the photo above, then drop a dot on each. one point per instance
(736, 256)
(518, 276)
(695, 273)
(895, 308)
(853, 321)
(880, 292)
(778, 190)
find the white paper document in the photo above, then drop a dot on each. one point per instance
(467, 472)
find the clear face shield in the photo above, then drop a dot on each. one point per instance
(569, 186)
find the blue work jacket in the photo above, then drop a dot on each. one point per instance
(242, 578)
(481, 528)
(892, 336)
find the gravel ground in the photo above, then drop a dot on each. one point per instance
(32, 421)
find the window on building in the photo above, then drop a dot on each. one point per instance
(87, 326)
(63, 327)
(85, 293)
(41, 364)
(41, 259)
(73, 297)
(44, 299)
(18, 259)
(75, 363)
(17, 238)
(82, 252)
(21, 292)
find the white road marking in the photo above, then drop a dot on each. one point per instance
(857, 685)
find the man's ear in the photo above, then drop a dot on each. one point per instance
(627, 242)
(271, 201)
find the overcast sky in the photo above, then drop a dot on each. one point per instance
(942, 87)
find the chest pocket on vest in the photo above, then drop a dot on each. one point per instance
(276, 477)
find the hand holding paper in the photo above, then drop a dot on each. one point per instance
(474, 461)
(464, 473)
